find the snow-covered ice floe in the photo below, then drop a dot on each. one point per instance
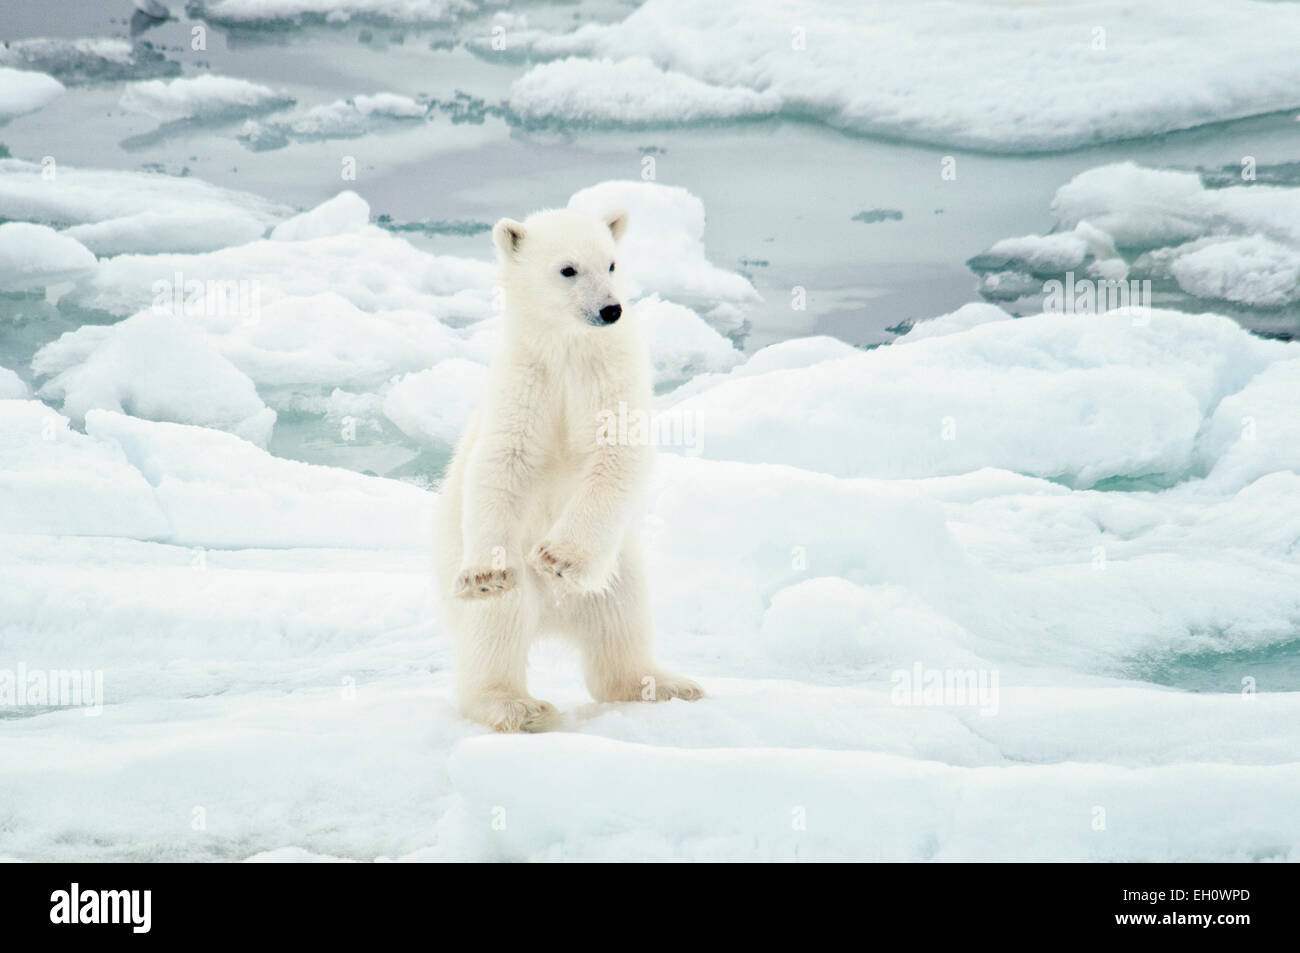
(201, 97)
(96, 59)
(341, 119)
(923, 584)
(1125, 224)
(909, 68)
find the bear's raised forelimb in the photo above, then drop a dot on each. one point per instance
(500, 471)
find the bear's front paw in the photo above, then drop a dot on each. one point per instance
(482, 583)
(562, 562)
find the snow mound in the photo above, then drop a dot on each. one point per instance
(200, 97)
(434, 406)
(346, 212)
(152, 366)
(681, 343)
(112, 213)
(22, 92)
(629, 92)
(34, 256)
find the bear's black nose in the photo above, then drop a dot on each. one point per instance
(611, 313)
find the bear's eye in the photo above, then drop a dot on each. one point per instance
(568, 271)
(611, 266)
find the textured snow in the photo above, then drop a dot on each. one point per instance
(1062, 74)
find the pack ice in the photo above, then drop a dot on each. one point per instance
(1038, 509)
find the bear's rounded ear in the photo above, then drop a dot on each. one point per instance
(506, 235)
(616, 219)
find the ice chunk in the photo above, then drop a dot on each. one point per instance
(1252, 270)
(434, 406)
(1238, 243)
(153, 366)
(681, 343)
(341, 119)
(346, 212)
(200, 97)
(628, 92)
(23, 91)
(34, 256)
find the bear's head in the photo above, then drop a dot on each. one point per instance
(561, 268)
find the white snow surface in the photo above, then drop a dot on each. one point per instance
(1063, 73)
(1052, 504)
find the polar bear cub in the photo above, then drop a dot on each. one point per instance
(537, 532)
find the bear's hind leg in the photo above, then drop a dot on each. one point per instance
(493, 636)
(614, 632)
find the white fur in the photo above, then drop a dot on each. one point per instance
(536, 533)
